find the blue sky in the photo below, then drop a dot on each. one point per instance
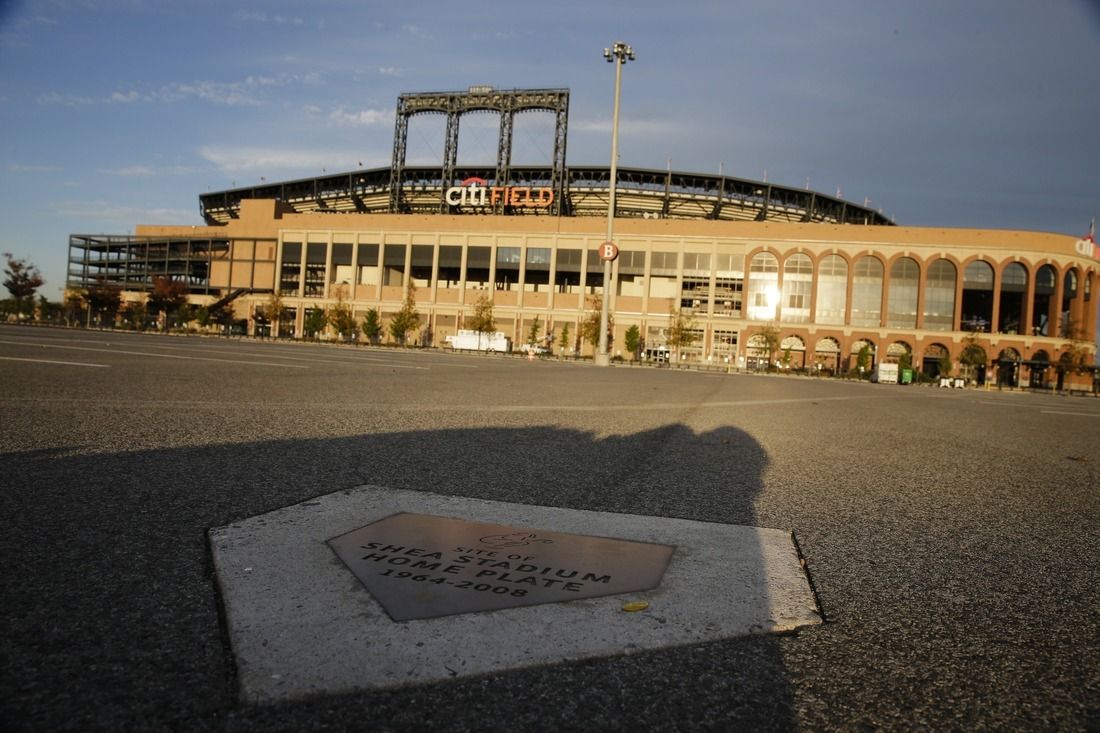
(983, 113)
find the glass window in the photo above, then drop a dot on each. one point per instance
(797, 284)
(477, 267)
(450, 265)
(832, 290)
(567, 271)
(697, 263)
(664, 263)
(901, 309)
(537, 272)
(763, 295)
(867, 292)
(939, 297)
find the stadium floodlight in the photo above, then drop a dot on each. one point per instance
(618, 54)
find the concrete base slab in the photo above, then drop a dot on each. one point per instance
(301, 624)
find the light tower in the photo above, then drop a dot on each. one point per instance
(618, 54)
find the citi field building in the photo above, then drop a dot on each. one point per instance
(734, 256)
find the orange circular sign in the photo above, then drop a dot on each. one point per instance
(608, 251)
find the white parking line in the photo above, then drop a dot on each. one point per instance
(51, 361)
(162, 356)
(1066, 412)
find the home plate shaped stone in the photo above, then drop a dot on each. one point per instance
(318, 597)
(422, 566)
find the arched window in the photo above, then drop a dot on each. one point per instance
(867, 292)
(763, 295)
(798, 273)
(1044, 298)
(1013, 298)
(901, 311)
(832, 290)
(977, 297)
(939, 296)
(1069, 293)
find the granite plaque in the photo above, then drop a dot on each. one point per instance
(420, 566)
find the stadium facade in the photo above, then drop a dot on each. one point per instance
(734, 258)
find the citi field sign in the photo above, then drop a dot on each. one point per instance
(477, 192)
(1088, 247)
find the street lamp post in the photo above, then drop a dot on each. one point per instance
(618, 54)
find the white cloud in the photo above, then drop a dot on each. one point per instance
(259, 16)
(641, 128)
(137, 171)
(274, 160)
(125, 97)
(65, 100)
(389, 71)
(110, 211)
(361, 118)
(24, 168)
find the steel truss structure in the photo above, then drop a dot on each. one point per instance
(506, 103)
(132, 263)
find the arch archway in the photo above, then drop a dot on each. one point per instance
(930, 363)
(792, 352)
(1038, 366)
(853, 357)
(827, 356)
(1008, 367)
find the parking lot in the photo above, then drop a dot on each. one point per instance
(950, 536)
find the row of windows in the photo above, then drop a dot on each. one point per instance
(787, 291)
(791, 302)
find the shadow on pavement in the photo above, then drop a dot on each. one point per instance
(110, 611)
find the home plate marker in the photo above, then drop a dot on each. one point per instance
(420, 566)
(373, 587)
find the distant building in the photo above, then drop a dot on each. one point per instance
(734, 257)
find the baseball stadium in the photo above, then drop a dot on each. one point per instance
(709, 270)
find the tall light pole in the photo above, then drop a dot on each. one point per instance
(618, 54)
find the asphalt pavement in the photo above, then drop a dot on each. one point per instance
(951, 536)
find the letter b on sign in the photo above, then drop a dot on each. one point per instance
(608, 251)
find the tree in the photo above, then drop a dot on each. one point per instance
(590, 326)
(167, 296)
(372, 326)
(133, 315)
(274, 313)
(407, 319)
(74, 304)
(22, 280)
(340, 316)
(633, 340)
(972, 354)
(482, 320)
(1077, 353)
(863, 360)
(48, 312)
(681, 331)
(104, 299)
(946, 366)
(315, 322)
(564, 341)
(533, 333)
(769, 337)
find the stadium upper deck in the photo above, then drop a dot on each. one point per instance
(640, 193)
